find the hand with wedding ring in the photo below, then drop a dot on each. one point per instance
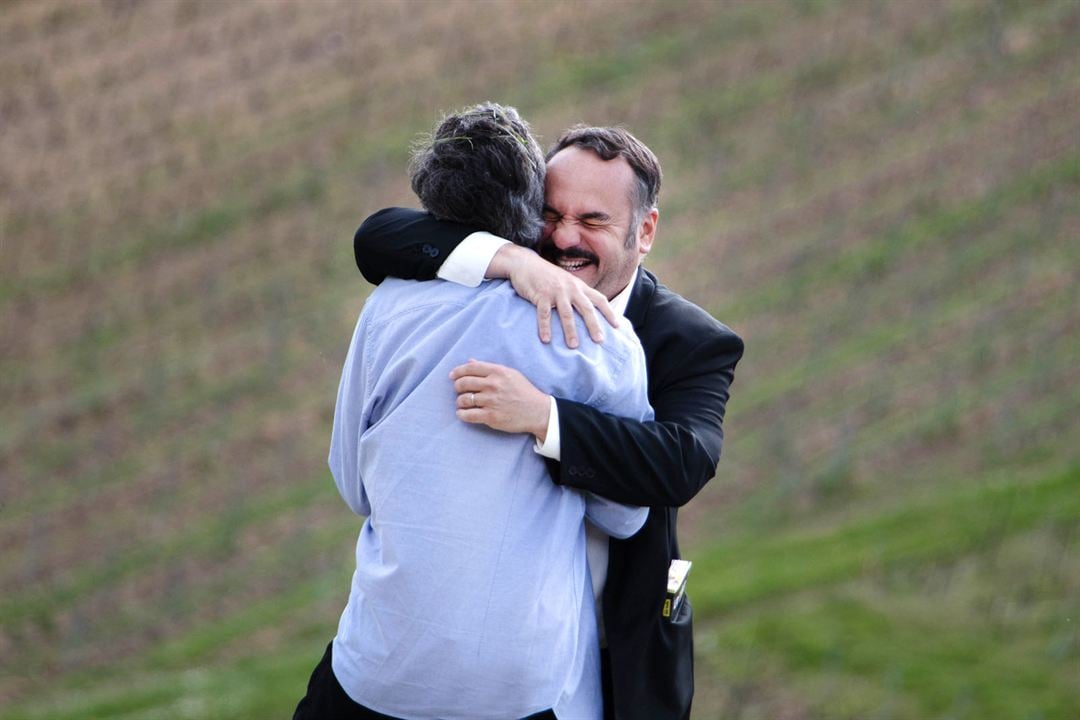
(501, 398)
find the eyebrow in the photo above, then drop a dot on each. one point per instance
(595, 215)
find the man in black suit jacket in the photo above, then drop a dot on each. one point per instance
(601, 217)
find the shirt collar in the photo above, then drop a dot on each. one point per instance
(620, 301)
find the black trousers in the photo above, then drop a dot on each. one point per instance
(326, 700)
(605, 683)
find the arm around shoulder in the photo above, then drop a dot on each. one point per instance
(404, 243)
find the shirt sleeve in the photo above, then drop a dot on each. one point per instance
(615, 519)
(551, 447)
(469, 261)
(350, 418)
(625, 396)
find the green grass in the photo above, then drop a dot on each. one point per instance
(869, 261)
(870, 648)
(253, 687)
(954, 522)
(211, 224)
(935, 667)
(903, 613)
(216, 534)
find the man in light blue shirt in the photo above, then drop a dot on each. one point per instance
(471, 598)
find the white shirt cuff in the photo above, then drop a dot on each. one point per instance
(551, 448)
(469, 261)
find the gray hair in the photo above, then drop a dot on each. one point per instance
(483, 167)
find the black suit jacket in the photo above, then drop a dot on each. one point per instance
(662, 464)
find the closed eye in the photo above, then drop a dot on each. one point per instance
(594, 220)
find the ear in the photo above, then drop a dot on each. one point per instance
(647, 231)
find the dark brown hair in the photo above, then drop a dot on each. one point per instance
(611, 142)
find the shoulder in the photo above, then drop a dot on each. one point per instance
(587, 373)
(677, 320)
(622, 342)
(395, 297)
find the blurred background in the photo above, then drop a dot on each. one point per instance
(880, 196)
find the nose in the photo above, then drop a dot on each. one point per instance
(563, 234)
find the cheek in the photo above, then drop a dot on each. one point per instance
(601, 244)
(611, 252)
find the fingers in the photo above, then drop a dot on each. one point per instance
(592, 324)
(601, 303)
(471, 380)
(475, 368)
(566, 318)
(543, 322)
(585, 301)
(547, 286)
(477, 416)
(469, 401)
(474, 384)
(584, 308)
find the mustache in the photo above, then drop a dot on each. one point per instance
(553, 253)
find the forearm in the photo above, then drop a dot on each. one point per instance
(413, 245)
(655, 463)
(506, 259)
(663, 461)
(404, 243)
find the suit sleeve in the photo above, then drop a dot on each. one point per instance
(404, 243)
(666, 461)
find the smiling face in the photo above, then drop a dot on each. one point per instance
(588, 211)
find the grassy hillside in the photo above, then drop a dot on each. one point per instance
(882, 198)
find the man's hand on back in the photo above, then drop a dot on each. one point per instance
(547, 286)
(501, 398)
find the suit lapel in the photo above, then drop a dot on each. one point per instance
(640, 299)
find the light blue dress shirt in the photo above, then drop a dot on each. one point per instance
(471, 598)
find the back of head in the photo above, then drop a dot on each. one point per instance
(483, 167)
